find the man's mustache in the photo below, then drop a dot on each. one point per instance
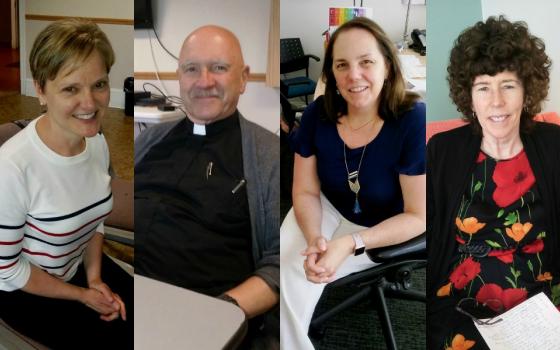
(198, 93)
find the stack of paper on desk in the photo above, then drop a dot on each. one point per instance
(412, 67)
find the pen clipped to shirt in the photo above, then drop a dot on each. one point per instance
(209, 170)
(238, 186)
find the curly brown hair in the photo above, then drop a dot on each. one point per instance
(489, 48)
(393, 100)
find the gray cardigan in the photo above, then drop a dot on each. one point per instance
(261, 166)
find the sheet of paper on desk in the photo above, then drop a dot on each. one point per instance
(533, 324)
(413, 68)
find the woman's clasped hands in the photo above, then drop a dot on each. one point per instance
(323, 258)
(100, 298)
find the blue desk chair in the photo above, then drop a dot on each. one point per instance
(293, 59)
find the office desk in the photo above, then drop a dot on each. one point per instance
(170, 317)
(152, 115)
(413, 68)
(146, 116)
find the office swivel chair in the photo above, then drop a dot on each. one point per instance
(288, 111)
(292, 59)
(390, 279)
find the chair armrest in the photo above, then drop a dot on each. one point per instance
(296, 83)
(17, 340)
(119, 236)
(7, 131)
(122, 216)
(412, 249)
(314, 57)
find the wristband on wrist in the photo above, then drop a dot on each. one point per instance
(229, 299)
(359, 246)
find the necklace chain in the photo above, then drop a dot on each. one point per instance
(359, 127)
(353, 177)
(359, 164)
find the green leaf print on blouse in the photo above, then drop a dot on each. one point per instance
(493, 244)
(556, 294)
(511, 219)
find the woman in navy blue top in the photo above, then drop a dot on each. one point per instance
(359, 173)
(397, 149)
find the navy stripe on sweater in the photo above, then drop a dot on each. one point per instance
(67, 233)
(76, 213)
(10, 257)
(6, 227)
(61, 244)
(61, 266)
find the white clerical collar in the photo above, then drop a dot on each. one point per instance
(199, 129)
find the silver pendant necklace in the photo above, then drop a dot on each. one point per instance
(353, 178)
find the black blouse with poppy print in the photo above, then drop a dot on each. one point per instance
(501, 232)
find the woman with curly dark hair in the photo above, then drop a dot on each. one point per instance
(493, 186)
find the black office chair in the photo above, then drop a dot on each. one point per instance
(288, 111)
(293, 59)
(390, 279)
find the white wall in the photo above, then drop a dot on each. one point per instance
(541, 17)
(308, 19)
(248, 19)
(98, 8)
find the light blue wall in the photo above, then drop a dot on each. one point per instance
(446, 20)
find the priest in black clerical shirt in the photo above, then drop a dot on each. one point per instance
(207, 188)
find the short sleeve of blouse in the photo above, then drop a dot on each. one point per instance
(302, 140)
(413, 152)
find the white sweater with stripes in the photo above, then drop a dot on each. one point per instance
(50, 206)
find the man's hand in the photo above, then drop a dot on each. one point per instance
(254, 296)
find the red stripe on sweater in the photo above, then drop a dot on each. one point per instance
(53, 256)
(67, 233)
(9, 265)
(11, 243)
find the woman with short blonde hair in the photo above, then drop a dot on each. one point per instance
(56, 286)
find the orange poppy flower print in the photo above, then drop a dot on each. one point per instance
(460, 343)
(445, 290)
(518, 231)
(543, 277)
(469, 225)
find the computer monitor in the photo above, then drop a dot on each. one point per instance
(143, 14)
